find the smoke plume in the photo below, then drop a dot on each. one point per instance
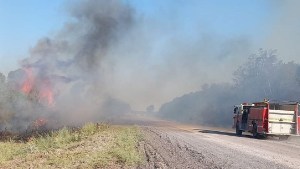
(266, 74)
(262, 76)
(283, 33)
(66, 76)
(108, 60)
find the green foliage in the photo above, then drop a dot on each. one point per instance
(92, 146)
(89, 129)
(124, 148)
(10, 149)
(55, 140)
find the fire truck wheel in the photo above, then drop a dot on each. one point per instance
(238, 132)
(263, 136)
(254, 130)
(283, 137)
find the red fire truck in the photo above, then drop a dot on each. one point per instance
(267, 118)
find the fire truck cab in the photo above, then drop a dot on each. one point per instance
(267, 118)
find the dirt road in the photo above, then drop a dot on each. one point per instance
(169, 145)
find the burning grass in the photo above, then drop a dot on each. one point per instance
(92, 146)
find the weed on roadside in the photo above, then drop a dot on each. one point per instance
(92, 146)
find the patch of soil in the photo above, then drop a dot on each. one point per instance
(164, 151)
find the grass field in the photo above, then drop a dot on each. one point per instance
(92, 146)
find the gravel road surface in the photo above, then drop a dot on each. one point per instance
(168, 145)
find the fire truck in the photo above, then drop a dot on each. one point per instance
(267, 118)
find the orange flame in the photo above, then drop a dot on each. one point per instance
(28, 83)
(43, 87)
(39, 123)
(47, 94)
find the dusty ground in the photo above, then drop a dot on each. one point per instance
(168, 145)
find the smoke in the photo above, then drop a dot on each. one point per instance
(66, 76)
(284, 30)
(262, 76)
(266, 74)
(108, 59)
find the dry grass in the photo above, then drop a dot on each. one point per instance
(92, 146)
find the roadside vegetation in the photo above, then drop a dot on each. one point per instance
(92, 146)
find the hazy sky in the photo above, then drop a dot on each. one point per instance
(173, 47)
(24, 22)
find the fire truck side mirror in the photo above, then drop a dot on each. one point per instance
(235, 110)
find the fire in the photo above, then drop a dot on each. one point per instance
(41, 122)
(46, 93)
(28, 83)
(42, 86)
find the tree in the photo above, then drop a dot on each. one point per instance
(265, 76)
(262, 76)
(2, 78)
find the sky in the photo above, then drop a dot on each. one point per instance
(173, 47)
(224, 17)
(24, 22)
